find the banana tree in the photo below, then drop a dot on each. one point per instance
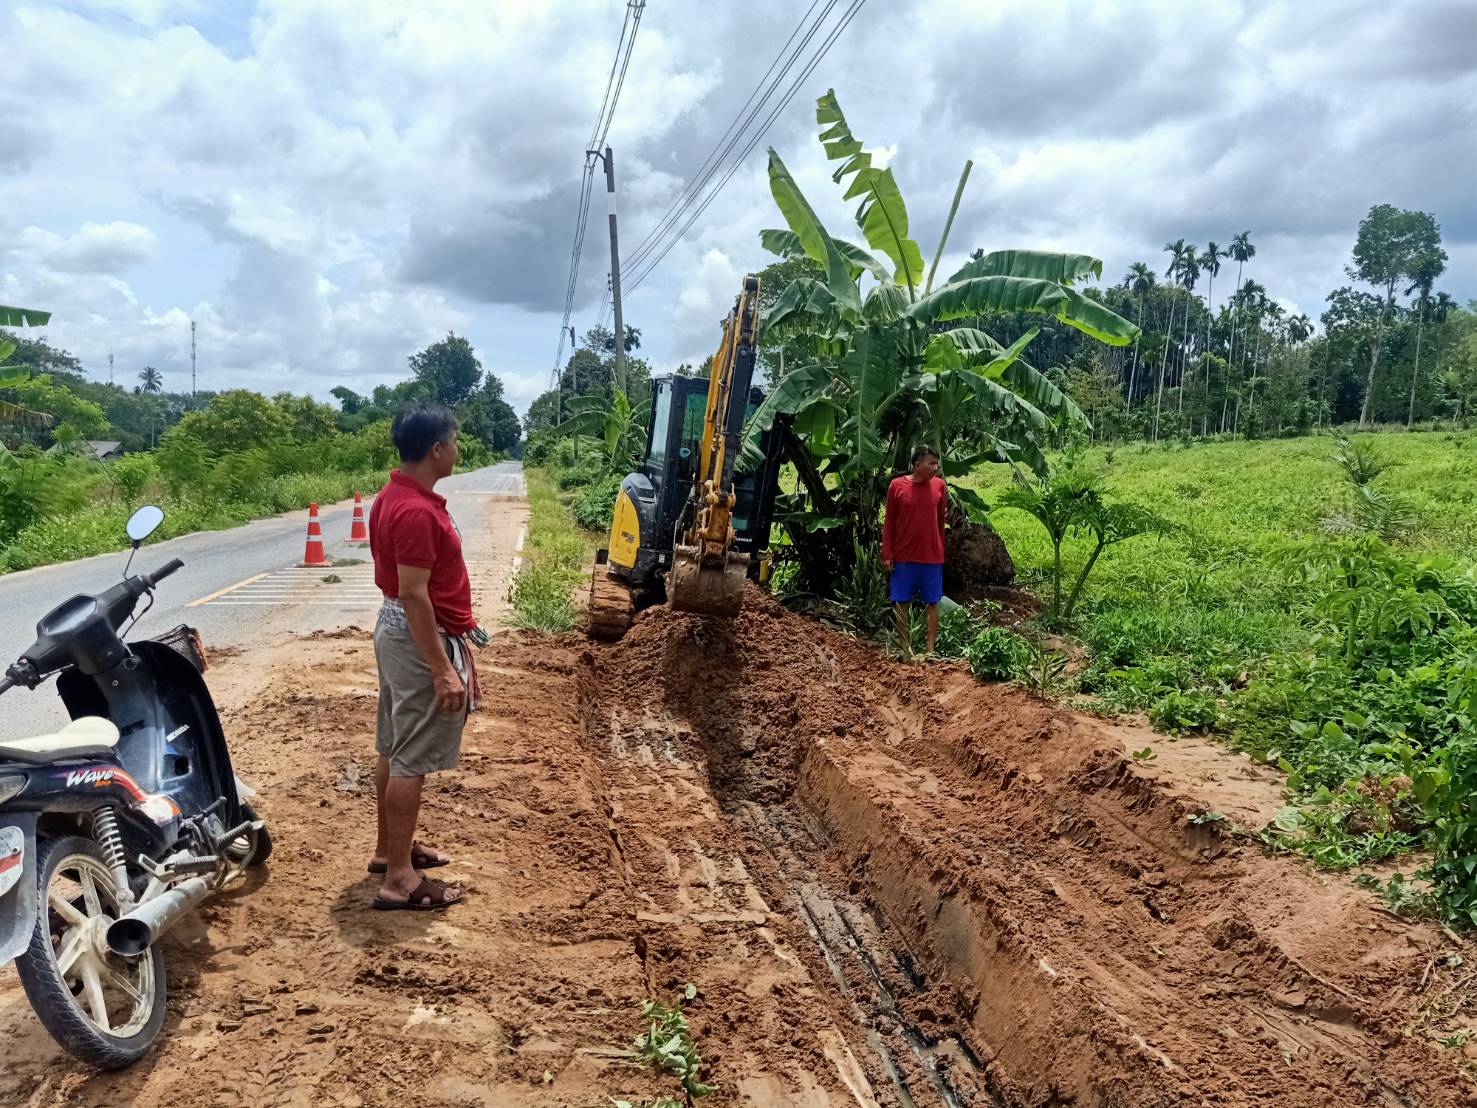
(12, 374)
(612, 425)
(888, 371)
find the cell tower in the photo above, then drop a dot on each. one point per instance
(110, 367)
(192, 361)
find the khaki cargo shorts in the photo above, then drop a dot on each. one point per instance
(412, 731)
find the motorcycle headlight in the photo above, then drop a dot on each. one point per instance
(10, 785)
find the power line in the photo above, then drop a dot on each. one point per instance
(613, 85)
(672, 241)
(715, 157)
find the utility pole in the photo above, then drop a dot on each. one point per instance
(110, 367)
(615, 269)
(574, 384)
(192, 363)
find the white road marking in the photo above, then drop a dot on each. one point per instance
(522, 534)
(297, 586)
(222, 592)
(367, 605)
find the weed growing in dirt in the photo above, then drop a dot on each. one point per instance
(333, 579)
(1402, 897)
(1045, 671)
(554, 559)
(667, 1045)
(997, 654)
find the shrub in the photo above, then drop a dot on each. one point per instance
(586, 472)
(997, 654)
(957, 629)
(594, 505)
(1179, 712)
(132, 473)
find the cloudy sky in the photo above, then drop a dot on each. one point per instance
(326, 185)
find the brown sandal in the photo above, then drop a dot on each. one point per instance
(419, 859)
(432, 892)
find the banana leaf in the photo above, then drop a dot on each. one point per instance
(787, 245)
(813, 236)
(882, 216)
(23, 317)
(805, 306)
(1044, 265)
(976, 295)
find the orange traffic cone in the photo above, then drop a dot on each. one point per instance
(313, 554)
(358, 532)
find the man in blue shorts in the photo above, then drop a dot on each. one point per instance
(913, 541)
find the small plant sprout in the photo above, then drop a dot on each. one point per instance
(1199, 819)
(1145, 755)
(667, 1045)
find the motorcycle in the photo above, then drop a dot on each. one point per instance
(118, 825)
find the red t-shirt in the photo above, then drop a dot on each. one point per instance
(913, 528)
(409, 525)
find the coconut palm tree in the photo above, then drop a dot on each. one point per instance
(1177, 251)
(1243, 251)
(1210, 265)
(1140, 281)
(1189, 278)
(151, 379)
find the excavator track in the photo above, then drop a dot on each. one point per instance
(611, 606)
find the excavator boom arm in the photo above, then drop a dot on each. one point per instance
(707, 574)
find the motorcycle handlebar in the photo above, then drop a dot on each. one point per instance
(164, 571)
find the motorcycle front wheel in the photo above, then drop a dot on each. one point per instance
(103, 1009)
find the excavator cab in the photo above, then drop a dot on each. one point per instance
(689, 526)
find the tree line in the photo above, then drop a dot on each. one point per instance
(53, 403)
(1388, 348)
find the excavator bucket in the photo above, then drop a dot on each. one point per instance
(715, 588)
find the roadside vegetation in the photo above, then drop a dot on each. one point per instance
(555, 554)
(77, 456)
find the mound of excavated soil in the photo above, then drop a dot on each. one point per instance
(975, 561)
(1007, 905)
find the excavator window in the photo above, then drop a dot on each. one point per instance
(661, 415)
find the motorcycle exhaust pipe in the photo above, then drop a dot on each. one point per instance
(134, 933)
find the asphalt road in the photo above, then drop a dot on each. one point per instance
(239, 587)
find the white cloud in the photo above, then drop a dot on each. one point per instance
(326, 187)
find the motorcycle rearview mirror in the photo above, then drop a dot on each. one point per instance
(141, 525)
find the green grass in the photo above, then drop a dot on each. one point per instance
(555, 556)
(1349, 663)
(1197, 609)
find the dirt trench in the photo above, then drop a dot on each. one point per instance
(992, 903)
(892, 886)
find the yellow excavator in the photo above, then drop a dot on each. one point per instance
(686, 529)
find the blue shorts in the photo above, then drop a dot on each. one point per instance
(917, 581)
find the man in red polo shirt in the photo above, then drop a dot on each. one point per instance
(913, 542)
(427, 679)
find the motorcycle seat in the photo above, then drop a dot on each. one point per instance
(88, 737)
